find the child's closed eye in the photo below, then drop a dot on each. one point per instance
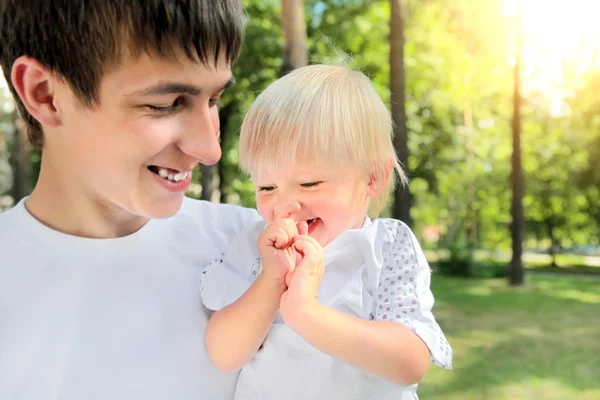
(311, 184)
(266, 188)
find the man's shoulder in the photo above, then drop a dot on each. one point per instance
(5, 215)
(207, 211)
(3, 227)
(11, 245)
(206, 216)
(7, 221)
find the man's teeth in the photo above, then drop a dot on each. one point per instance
(171, 176)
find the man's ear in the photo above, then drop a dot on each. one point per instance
(378, 181)
(35, 85)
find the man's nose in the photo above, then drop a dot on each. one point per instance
(201, 138)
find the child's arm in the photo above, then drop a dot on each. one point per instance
(382, 347)
(235, 332)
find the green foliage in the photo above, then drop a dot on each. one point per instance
(259, 64)
(462, 262)
(459, 95)
(585, 106)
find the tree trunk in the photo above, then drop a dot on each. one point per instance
(294, 31)
(471, 214)
(19, 160)
(402, 195)
(209, 180)
(517, 273)
(222, 183)
(554, 251)
(225, 116)
(5, 170)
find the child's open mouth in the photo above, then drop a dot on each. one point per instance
(312, 224)
(169, 174)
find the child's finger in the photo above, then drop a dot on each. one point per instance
(298, 257)
(302, 228)
(289, 276)
(309, 243)
(281, 238)
(310, 249)
(287, 211)
(280, 233)
(291, 231)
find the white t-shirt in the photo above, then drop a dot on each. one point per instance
(378, 272)
(86, 319)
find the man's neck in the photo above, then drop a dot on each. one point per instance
(69, 211)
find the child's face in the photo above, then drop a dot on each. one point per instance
(153, 116)
(332, 199)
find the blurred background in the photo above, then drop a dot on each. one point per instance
(497, 107)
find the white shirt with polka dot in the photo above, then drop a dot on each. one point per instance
(378, 272)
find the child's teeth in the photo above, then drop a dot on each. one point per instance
(170, 177)
(163, 173)
(178, 177)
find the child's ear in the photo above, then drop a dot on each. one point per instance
(378, 181)
(34, 84)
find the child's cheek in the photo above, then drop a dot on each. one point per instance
(265, 209)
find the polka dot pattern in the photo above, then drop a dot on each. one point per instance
(403, 282)
(256, 268)
(218, 260)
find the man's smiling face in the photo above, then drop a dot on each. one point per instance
(134, 152)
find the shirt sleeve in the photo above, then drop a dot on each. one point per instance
(226, 278)
(403, 292)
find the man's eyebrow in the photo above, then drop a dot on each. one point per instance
(228, 84)
(165, 88)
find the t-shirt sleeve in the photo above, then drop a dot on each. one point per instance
(227, 277)
(230, 220)
(403, 293)
(213, 227)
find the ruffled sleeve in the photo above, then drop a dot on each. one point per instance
(403, 293)
(226, 278)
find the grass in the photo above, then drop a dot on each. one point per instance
(540, 341)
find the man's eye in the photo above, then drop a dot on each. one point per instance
(166, 109)
(215, 102)
(310, 184)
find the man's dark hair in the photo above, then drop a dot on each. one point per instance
(80, 40)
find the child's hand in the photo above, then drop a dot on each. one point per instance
(275, 244)
(304, 282)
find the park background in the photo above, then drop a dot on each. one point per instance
(497, 112)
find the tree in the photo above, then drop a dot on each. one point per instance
(5, 171)
(259, 64)
(516, 272)
(209, 179)
(19, 159)
(402, 198)
(586, 124)
(211, 176)
(294, 30)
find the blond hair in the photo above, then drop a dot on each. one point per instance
(329, 114)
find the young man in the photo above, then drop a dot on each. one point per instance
(100, 266)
